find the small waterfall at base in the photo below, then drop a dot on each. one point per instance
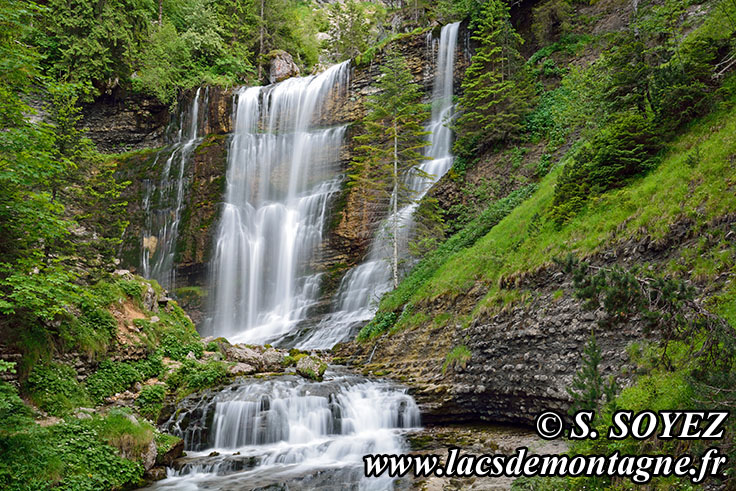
(282, 171)
(163, 203)
(363, 285)
(289, 433)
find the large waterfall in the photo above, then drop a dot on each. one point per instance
(360, 289)
(289, 433)
(163, 201)
(282, 170)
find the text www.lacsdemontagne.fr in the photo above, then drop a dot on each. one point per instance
(639, 468)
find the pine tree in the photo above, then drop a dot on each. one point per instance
(390, 149)
(496, 87)
(349, 29)
(588, 389)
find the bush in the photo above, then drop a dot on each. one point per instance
(119, 429)
(69, 456)
(623, 149)
(383, 321)
(90, 464)
(110, 378)
(131, 288)
(54, 388)
(173, 346)
(550, 20)
(150, 401)
(193, 376)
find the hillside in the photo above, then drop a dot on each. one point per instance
(245, 244)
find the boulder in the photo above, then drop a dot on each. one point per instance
(241, 369)
(243, 354)
(311, 368)
(173, 453)
(155, 474)
(150, 299)
(282, 66)
(149, 455)
(272, 360)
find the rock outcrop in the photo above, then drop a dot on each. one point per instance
(281, 67)
(522, 356)
(132, 123)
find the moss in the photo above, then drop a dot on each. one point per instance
(209, 141)
(164, 444)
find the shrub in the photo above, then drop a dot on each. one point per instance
(119, 429)
(111, 378)
(175, 348)
(150, 401)
(132, 288)
(54, 388)
(89, 462)
(193, 376)
(623, 149)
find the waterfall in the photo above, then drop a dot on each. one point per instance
(283, 431)
(163, 203)
(283, 168)
(360, 289)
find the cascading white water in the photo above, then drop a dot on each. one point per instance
(287, 430)
(282, 170)
(363, 285)
(163, 203)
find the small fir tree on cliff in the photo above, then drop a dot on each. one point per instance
(496, 87)
(588, 388)
(390, 149)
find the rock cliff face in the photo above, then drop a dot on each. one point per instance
(353, 217)
(120, 125)
(520, 356)
(520, 359)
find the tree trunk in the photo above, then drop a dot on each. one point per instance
(396, 209)
(160, 12)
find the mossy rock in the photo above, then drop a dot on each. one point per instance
(311, 368)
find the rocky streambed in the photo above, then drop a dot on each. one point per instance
(286, 431)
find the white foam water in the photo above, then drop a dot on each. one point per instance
(291, 432)
(283, 168)
(361, 288)
(163, 202)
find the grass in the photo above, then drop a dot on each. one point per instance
(648, 207)
(459, 356)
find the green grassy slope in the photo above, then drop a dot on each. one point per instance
(695, 181)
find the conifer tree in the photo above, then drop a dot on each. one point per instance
(496, 87)
(588, 387)
(390, 149)
(349, 29)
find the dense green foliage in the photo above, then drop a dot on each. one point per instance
(588, 388)
(495, 90)
(192, 376)
(73, 455)
(54, 388)
(621, 150)
(112, 377)
(150, 401)
(351, 25)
